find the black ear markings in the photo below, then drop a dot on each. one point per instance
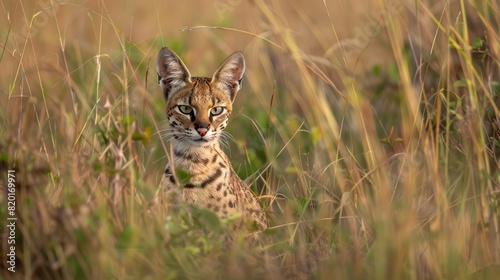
(229, 75)
(172, 73)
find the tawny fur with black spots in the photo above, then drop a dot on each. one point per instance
(198, 109)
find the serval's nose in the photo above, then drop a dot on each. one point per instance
(202, 128)
(202, 131)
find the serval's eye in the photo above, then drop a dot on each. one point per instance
(185, 109)
(215, 111)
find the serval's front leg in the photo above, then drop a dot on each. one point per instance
(171, 190)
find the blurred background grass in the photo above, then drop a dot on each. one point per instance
(370, 130)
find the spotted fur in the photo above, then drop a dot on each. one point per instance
(198, 109)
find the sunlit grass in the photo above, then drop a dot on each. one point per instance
(374, 148)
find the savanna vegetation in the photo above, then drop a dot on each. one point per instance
(370, 130)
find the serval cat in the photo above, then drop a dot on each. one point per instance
(198, 109)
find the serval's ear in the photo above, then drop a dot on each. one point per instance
(228, 77)
(172, 73)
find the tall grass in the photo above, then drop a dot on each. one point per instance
(370, 132)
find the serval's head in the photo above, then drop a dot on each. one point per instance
(198, 108)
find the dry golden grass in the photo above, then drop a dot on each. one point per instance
(370, 130)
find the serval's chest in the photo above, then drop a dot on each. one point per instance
(210, 183)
